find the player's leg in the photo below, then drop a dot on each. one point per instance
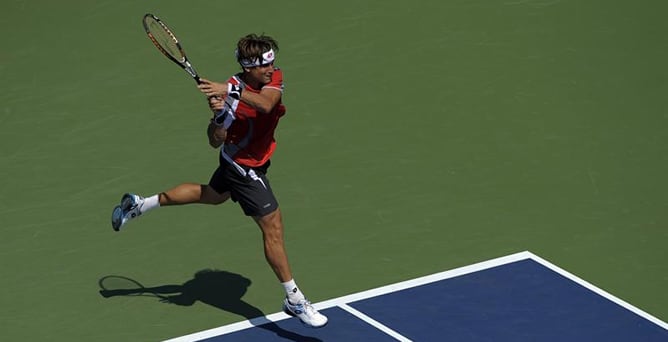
(295, 303)
(188, 193)
(253, 192)
(132, 205)
(274, 246)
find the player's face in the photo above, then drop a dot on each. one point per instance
(262, 74)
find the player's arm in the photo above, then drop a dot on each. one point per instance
(216, 133)
(263, 102)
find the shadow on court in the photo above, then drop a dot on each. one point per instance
(220, 289)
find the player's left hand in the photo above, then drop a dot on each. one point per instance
(216, 103)
(211, 89)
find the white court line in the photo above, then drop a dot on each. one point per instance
(343, 301)
(598, 291)
(375, 323)
(230, 328)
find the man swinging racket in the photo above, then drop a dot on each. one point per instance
(246, 109)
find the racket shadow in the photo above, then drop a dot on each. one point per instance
(220, 289)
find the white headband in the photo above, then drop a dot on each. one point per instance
(267, 58)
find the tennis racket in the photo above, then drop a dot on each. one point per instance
(164, 39)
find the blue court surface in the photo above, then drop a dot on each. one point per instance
(520, 297)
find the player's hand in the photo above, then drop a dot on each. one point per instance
(216, 103)
(212, 89)
(217, 134)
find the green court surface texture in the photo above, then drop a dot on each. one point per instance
(420, 136)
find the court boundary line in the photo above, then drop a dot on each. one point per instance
(599, 291)
(468, 269)
(380, 326)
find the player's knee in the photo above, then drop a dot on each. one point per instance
(272, 226)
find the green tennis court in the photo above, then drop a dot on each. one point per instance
(420, 136)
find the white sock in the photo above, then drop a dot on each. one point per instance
(150, 203)
(293, 292)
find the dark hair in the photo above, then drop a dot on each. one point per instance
(252, 46)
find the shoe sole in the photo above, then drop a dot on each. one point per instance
(117, 218)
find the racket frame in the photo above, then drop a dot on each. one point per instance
(184, 62)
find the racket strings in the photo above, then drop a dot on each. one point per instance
(164, 39)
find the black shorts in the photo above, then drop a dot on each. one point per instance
(252, 190)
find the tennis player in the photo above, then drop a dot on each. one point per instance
(246, 110)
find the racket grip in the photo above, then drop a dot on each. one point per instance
(198, 80)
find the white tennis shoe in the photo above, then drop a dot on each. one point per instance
(306, 313)
(129, 208)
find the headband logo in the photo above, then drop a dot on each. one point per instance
(267, 58)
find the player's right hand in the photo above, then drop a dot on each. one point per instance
(212, 89)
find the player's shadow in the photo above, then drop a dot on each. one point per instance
(221, 289)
